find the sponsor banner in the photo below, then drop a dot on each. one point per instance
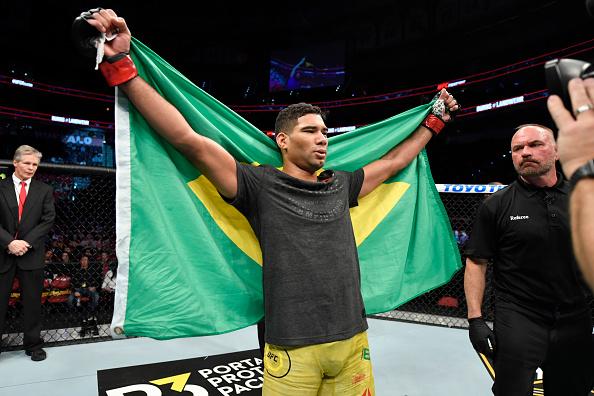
(230, 374)
(469, 188)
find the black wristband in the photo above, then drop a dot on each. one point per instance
(584, 171)
(116, 57)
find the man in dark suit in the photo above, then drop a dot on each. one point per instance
(26, 215)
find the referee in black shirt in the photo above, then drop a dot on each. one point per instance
(541, 315)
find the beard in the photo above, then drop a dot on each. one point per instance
(540, 169)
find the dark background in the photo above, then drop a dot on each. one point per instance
(225, 48)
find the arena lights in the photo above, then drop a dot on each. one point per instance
(342, 129)
(572, 50)
(469, 188)
(68, 120)
(83, 140)
(473, 79)
(526, 98)
(55, 89)
(44, 117)
(21, 83)
(450, 84)
(338, 103)
(456, 83)
(500, 103)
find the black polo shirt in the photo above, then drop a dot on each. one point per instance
(525, 231)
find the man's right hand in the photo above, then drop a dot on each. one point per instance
(18, 247)
(106, 21)
(480, 335)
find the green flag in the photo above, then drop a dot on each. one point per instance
(189, 264)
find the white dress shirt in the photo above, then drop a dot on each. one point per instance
(17, 186)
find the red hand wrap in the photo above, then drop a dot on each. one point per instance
(118, 72)
(433, 123)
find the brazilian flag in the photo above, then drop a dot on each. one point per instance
(191, 265)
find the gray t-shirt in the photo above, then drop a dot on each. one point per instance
(312, 283)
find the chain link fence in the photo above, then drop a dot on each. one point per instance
(446, 305)
(81, 263)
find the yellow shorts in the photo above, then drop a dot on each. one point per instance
(341, 368)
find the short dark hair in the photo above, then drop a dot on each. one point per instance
(287, 117)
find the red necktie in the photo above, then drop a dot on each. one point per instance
(22, 198)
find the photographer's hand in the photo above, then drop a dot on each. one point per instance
(576, 134)
(576, 149)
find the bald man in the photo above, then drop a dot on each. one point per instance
(541, 315)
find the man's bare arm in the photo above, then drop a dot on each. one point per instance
(395, 160)
(210, 158)
(474, 285)
(400, 156)
(582, 226)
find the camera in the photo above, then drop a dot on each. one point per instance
(558, 72)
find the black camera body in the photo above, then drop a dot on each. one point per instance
(558, 72)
